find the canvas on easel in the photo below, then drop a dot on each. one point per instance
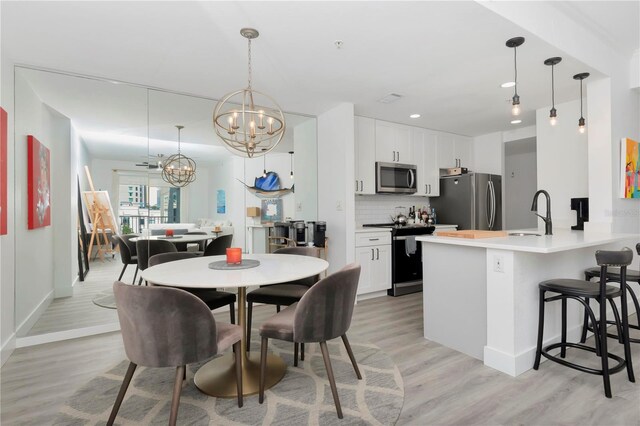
(102, 218)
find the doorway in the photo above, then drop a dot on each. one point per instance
(520, 183)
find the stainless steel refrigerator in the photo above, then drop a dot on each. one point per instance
(471, 201)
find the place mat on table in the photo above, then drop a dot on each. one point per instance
(223, 265)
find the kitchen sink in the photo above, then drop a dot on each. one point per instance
(523, 234)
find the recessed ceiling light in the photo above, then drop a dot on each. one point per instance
(508, 84)
(414, 116)
(516, 121)
(391, 97)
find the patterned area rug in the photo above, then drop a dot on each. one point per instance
(302, 397)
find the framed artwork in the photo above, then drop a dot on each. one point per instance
(629, 168)
(271, 210)
(38, 184)
(3, 172)
(221, 204)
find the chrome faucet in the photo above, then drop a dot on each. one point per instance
(547, 219)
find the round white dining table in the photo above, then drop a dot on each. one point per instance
(217, 377)
(185, 238)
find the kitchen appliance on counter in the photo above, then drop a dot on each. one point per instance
(406, 264)
(320, 229)
(395, 178)
(471, 201)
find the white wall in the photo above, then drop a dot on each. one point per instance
(336, 204)
(198, 196)
(487, 153)
(7, 242)
(34, 248)
(519, 184)
(562, 167)
(305, 166)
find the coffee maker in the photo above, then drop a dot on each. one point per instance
(319, 233)
(299, 233)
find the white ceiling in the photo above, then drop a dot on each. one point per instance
(447, 59)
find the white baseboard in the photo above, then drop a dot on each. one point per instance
(7, 349)
(373, 295)
(39, 339)
(33, 317)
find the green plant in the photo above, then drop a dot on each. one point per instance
(126, 229)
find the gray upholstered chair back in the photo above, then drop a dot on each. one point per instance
(125, 252)
(157, 259)
(325, 310)
(622, 257)
(148, 248)
(638, 248)
(218, 246)
(163, 326)
(302, 251)
(127, 240)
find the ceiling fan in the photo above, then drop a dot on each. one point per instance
(152, 165)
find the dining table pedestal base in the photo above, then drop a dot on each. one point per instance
(218, 377)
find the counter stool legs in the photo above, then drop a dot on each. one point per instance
(602, 329)
(625, 334)
(563, 348)
(536, 364)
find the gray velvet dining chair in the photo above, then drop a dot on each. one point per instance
(148, 248)
(218, 246)
(213, 298)
(169, 327)
(282, 294)
(128, 253)
(322, 314)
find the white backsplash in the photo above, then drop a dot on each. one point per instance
(379, 208)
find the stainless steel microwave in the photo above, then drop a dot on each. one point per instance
(396, 178)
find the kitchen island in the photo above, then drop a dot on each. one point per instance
(481, 295)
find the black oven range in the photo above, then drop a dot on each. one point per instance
(406, 257)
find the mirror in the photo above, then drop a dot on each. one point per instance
(122, 133)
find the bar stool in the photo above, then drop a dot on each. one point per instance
(613, 275)
(579, 290)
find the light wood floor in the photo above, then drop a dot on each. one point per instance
(78, 311)
(441, 385)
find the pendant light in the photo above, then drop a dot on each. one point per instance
(581, 122)
(264, 164)
(291, 166)
(179, 170)
(246, 124)
(515, 101)
(553, 114)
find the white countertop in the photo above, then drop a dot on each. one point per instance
(561, 240)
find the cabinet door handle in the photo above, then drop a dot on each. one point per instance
(361, 186)
(374, 239)
(372, 255)
(377, 254)
(356, 185)
(426, 191)
(398, 155)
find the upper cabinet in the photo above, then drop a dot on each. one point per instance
(365, 153)
(425, 153)
(454, 151)
(393, 142)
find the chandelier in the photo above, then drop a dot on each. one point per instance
(179, 170)
(249, 122)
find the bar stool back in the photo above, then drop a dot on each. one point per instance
(613, 275)
(579, 290)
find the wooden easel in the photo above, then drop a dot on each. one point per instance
(101, 219)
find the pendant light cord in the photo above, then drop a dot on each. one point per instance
(249, 63)
(581, 99)
(515, 66)
(553, 90)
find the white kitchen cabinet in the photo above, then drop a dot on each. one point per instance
(454, 151)
(393, 143)
(365, 155)
(425, 152)
(373, 253)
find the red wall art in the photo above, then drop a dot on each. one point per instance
(3, 172)
(39, 184)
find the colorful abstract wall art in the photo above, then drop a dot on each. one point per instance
(38, 183)
(3, 172)
(629, 168)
